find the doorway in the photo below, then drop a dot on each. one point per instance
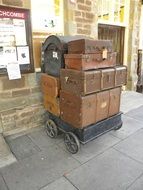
(116, 34)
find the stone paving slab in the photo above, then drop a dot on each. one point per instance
(130, 100)
(42, 140)
(23, 147)
(60, 184)
(137, 185)
(132, 146)
(2, 184)
(6, 157)
(130, 126)
(93, 148)
(136, 114)
(38, 170)
(109, 171)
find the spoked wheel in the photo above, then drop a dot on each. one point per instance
(118, 127)
(51, 129)
(71, 142)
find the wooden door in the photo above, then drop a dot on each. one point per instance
(116, 34)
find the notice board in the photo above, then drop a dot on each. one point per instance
(15, 39)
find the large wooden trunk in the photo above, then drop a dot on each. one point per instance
(54, 49)
(120, 75)
(80, 82)
(50, 85)
(51, 104)
(89, 61)
(114, 106)
(76, 110)
(102, 105)
(108, 78)
(89, 46)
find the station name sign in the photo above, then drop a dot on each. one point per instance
(12, 13)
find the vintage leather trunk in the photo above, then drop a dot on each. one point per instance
(76, 110)
(114, 106)
(120, 75)
(89, 61)
(50, 85)
(89, 46)
(54, 49)
(80, 82)
(102, 105)
(108, 78)
(51, 104)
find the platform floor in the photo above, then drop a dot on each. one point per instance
(113, 161)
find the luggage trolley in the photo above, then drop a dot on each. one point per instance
(74, 136)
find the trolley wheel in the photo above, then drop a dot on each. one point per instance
(118, 127)
(51, 128)
(71, 142)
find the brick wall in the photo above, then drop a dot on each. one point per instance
(81, 18)
(20, 103)
(20, 100)
(16, 3)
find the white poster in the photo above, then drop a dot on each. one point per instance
(10, 54)
(7, 54)
(23, 55)
(13, 70)
(2, 59)
(20, 32)
(7, 36)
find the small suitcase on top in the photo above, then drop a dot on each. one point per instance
(80, 82)
(83, 46)
(90, 61)
(50, 85)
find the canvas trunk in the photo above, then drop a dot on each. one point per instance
(80, 82)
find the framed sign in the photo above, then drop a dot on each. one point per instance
(15, 39)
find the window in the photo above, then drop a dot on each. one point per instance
(112, 11)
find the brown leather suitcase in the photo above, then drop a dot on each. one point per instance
(108, 78)
(76, 110)
(50, 85)
(51, 104)
(114, 105)
(89, 46)
(120, 75)
(89, 61)
(102, 105)
(80, 82)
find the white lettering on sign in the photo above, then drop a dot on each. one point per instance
(11, 14)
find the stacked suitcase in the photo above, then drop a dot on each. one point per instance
(82, 91)
(91, 83)
(53, 51)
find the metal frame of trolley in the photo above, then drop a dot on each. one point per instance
(74, 136)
